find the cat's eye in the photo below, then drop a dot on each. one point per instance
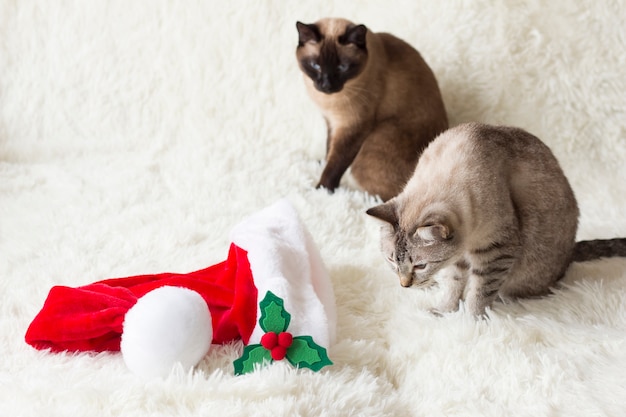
(316, 66)
(419, 267)
(343, 67)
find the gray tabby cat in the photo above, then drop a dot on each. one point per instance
(491, 210)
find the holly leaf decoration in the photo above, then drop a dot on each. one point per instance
(252, 354)
(300, 351)
(274, 317)
(305, 353)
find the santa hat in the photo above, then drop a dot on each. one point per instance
(273, 270)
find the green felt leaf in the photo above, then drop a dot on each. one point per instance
(252, 354)
(274, 317)
(305, 353)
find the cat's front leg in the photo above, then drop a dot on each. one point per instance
(483, 289)
(343, 145)
(489, 268)
(452, 280)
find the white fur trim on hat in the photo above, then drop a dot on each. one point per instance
(285, 260)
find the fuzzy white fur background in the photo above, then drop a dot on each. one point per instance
(135, 134)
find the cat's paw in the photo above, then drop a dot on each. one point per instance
(480, 314)
(477, 310)
(324, 187)
(447, 307)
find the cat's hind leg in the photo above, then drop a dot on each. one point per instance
(386, 161)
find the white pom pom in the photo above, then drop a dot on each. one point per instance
(169, 325)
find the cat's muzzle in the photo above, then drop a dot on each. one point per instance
(406, 280)
(405, 273)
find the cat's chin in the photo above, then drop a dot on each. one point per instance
(328, 90)
(422, 285)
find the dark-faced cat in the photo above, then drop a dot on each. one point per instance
(380, 100)
(488, 212)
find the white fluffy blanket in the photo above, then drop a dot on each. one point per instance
(135, 134)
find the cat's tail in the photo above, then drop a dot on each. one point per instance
(588, 250)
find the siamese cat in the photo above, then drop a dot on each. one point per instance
(488, 212)
(380, 100)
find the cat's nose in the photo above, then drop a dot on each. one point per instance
(405, 272)
(406, 280)
(325, 85)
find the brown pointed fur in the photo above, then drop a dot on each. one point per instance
(487, 213)
(383, 116)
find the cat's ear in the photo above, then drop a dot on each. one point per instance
(355, 35)
(385, 212)
(434, 232)
(308, 33)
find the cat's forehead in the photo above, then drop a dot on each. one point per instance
(333, 27)
(410, 214)
(415, 207)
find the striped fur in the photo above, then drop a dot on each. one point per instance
(488, 213)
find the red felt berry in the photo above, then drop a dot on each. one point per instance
(285, 339)
(279, 352)
(269, 340)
